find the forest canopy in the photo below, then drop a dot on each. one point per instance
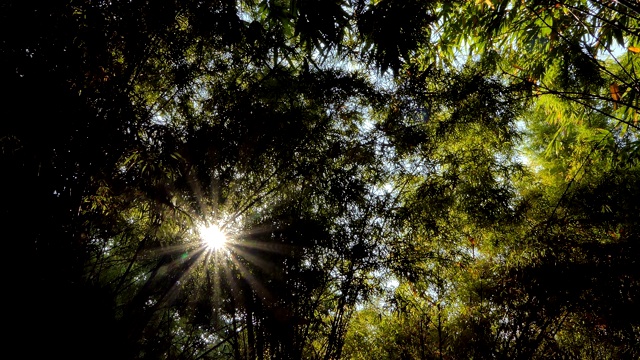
(335, 179)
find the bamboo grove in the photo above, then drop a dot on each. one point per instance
(396, 179)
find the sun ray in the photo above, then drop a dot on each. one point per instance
(169, 249)
(271, 247)
(250, 279)
(253, 259)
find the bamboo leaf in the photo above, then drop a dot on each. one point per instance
(614, 89)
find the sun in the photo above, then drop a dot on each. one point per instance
(212, 237)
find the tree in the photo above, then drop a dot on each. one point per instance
(343, 146)
(169, 112)
(524, 292)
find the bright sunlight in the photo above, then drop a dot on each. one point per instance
(212, 237)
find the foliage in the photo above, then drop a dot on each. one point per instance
(398, 179)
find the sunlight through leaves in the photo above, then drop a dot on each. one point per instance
(212, 237)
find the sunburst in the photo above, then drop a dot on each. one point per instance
(213, 238)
